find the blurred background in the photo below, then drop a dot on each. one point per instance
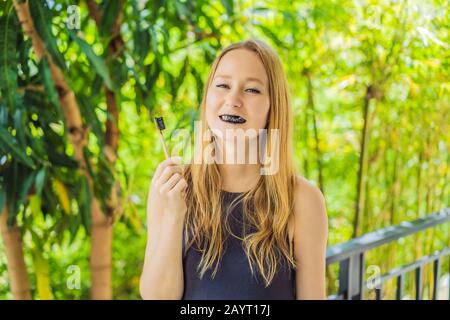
(80, 82)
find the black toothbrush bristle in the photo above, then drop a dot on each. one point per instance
(160, 123)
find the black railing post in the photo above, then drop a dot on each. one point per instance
(379, 292)
(344, 278)
(351, 273)
(400, 281)
(419, 286)
(436, 277)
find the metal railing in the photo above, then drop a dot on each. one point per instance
(351, 258)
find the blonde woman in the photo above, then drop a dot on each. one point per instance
(233, 229)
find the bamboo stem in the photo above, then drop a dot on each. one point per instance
(20, 286)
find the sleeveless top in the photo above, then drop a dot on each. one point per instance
(234, 279)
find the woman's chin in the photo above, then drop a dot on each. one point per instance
(226, 127)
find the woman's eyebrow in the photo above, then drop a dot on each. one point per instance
(247, 79)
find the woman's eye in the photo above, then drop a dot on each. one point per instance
(254, 90)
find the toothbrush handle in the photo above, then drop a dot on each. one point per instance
(166, 151)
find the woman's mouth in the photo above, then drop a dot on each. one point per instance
(234, 119)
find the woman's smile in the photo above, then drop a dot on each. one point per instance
(232, 119)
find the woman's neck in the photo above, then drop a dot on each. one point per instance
(239, 177)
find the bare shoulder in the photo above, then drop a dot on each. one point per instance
(310, 214)
(308, 196)
(310, 240)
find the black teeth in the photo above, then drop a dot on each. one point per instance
(232, 118)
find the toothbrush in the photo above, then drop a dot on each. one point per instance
(160, 124)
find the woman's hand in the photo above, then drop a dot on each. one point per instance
(166, 194)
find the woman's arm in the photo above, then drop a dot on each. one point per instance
(162, 274)
(310, 241)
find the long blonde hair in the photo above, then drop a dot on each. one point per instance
(268, 206)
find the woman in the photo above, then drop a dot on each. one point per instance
(226, 230)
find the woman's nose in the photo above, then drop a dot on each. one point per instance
(233, 100)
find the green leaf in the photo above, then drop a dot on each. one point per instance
(35, 205)
(171, 80)
(87, 160)
(154, 41)
(39, 181)
(42, 20)
(88, 110)
(2, 197)
(119, 71)
(151, 75)
(36, 239)
(37, 145)
(103, 181)
(85, 199)
(10, 143)
(74, 225)
(97, 62)
(183, 72)
(8, 57)
(199, 86)
(228, 5)
(26, 185)
(18, 125)
(141, 44)
(209, 21)
(166, 39)
(60, 159)
(182, 10)
(44, 68)
(24, 52)
(3, 114)
(37, 101)
(269, 33)
(11, 192)
(109, 14)
(209, 52)
(49, 202)
(97, 85)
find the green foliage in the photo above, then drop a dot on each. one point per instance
(96, 61)
(10, 144)
(42, 18)
(8, 75)
(44, 69)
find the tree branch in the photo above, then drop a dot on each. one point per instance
(94, 12)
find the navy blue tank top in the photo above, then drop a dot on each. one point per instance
(234, 279)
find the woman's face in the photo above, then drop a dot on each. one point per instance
(240, 87)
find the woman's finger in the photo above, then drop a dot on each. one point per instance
(164, 164)
(179, 187)
(168, 172)
(170, 183)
